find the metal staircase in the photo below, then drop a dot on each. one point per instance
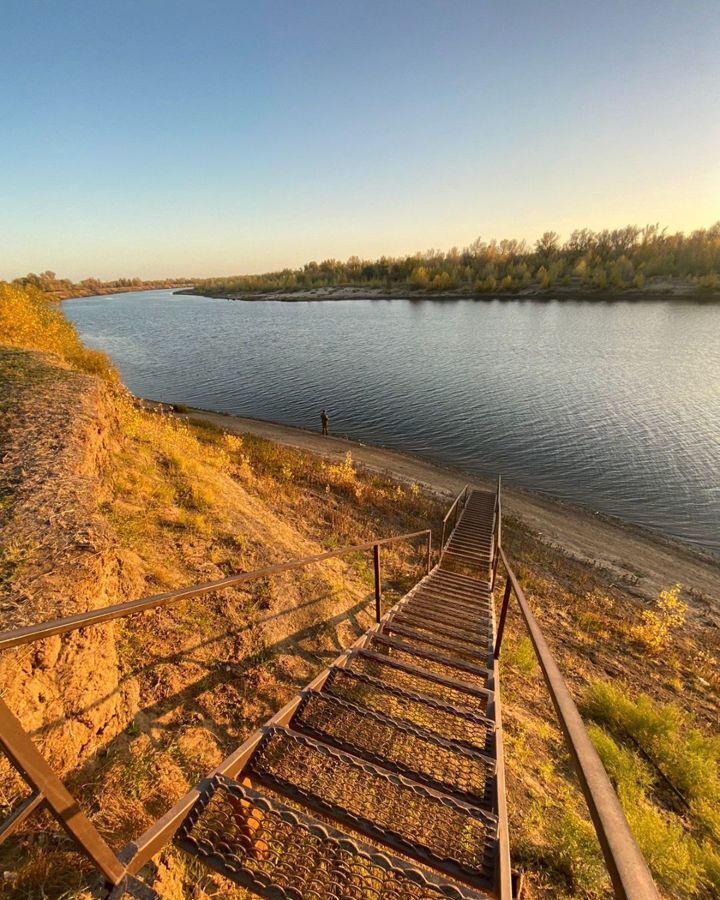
(396, 744)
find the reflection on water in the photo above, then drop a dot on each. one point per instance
(613, 406)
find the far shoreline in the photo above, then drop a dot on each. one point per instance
(644, 561)
(683, 291)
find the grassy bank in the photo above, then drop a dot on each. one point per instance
(185, 503)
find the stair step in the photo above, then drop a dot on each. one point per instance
(475, 611)
(421, 626)
(462, 727)
(464, 580)
(394, 744)
(475, 637)
(454, 596)
(445, 833)
(470, 550)
(427, 641)
(429, 660)
(475, 631)
(275, 851)
(416, 680)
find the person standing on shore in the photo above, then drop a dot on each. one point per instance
(325, 421)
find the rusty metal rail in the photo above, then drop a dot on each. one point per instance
(628, 870)
(453, 513)
(31, 633)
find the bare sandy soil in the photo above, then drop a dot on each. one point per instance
(658, 289)
(642, 562)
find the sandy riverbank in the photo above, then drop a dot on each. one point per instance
(660, 290)
(634, 557)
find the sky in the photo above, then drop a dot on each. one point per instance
(160, 138)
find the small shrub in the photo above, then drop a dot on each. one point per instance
(625, 768)
(659, 625)
(680, 852)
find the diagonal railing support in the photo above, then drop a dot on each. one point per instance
(28, 806)
(29, 762)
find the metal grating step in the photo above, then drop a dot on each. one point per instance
(453, 576)
(427, 641)
(478, 631)
(459, 601)
(411, 679)
(467, 587)
(437, 829)
(466, 581)
(429, 660)
(462, 727)
(454, 581)
(420, 625)
(478, 613)
(471, 613)
(395, 744)
(275, 851)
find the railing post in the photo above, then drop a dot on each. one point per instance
(429, 552)
(378, 589)
(503, 616)
(442, 538)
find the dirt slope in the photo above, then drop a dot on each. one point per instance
(642, 562)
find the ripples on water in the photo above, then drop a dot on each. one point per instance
(613, 406)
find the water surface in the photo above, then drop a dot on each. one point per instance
(615, 406)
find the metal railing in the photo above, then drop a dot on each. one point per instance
(625, 863)
(48, 789)
(456, 508)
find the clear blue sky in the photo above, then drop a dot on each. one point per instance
(154, 137)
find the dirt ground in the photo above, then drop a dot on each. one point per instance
(641, 562)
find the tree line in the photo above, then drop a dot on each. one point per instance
(63, 288)
(618, 259)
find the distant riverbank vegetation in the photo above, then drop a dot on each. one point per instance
(622, 259)
(63, 288)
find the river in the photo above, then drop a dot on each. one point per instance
(613, 406)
